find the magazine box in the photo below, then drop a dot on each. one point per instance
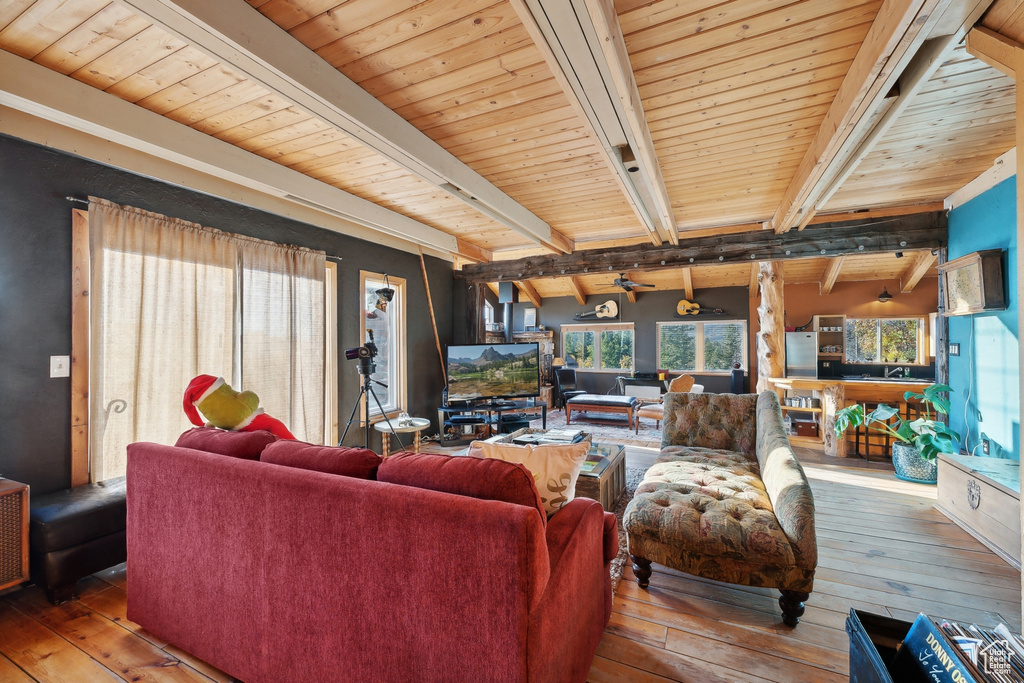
(873, 643)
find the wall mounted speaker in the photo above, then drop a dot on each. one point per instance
(508, 293)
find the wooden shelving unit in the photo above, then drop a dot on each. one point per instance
(831, 332)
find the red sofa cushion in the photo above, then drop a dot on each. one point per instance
(360, 463)
(483, 478)
(245, 445)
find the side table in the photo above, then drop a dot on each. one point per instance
(13, 533)
(416, 425)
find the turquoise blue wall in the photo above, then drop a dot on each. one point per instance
(987, 368)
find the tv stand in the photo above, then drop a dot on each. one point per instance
(493, 412)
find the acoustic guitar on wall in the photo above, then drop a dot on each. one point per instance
(609, 309)
(685, 307)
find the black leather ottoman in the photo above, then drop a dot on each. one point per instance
(75, 533)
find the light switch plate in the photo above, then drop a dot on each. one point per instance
(954, 349)
(60, 366)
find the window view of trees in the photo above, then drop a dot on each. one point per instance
(723, 346)
(899, 340)
(701, 347)
(882, 340)
(617, 349)
(599, 347)
(580, 345)
(677, 346)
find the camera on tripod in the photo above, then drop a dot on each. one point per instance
(365, 355)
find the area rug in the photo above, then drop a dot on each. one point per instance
(634, 475)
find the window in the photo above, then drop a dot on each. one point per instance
(171, 300)
(388, 327)
(702, 347)
(884, 340)
(488, 314)
(600, 348)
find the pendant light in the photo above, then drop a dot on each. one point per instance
(885, 296)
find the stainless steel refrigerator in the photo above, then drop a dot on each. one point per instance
(801, 354)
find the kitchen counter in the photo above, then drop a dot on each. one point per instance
(837, 393)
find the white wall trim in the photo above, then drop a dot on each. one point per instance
(1002, 168)
(36, 90)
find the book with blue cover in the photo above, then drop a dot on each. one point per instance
(927, 655)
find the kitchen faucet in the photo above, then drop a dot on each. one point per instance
(889, 373)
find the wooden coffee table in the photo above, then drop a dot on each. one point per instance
(603, 476)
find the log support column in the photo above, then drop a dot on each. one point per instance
(833, 399)
(771, 340)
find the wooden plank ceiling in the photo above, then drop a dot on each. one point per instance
(733, 94)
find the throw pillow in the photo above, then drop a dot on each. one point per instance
(245, 445)
(474, 477)
(555, 468)
(360, 463)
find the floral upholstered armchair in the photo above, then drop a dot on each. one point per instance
(727, 499)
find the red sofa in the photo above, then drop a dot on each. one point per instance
(277, 573)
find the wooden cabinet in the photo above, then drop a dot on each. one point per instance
(974, 283)
(831, 335)
(13, 533)
(982, 495)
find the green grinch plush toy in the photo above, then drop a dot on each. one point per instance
(225, 408)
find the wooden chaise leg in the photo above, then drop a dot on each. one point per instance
(642, 570)
(792, 604)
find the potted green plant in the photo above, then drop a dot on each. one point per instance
(917, 442)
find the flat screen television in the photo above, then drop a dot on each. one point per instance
(485, 372)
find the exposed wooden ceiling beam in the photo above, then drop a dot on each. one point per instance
(894, 36)
(41, 92)
(831, 273)
(630, 293)
(994, 49)
(236, 34)
(918, 268)
(752, 286)
(912, 232)
(613, 44)
(577, 290)
(597, 80)
(473, 252)
(687, 284)
(530, 291)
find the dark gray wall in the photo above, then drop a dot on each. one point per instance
(650, 308)
(35, 296)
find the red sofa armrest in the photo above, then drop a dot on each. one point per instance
(567, 625)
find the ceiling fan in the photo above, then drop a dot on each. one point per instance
(626, 284)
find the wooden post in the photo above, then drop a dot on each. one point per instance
(771, 342)
(473, 329)
(80, 284)
(833, 399)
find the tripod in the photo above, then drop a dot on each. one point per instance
(367, 367)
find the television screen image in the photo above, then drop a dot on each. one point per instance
(478, 372)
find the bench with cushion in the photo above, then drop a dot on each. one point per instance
(602, 403)
(75, 533)
(726, 499)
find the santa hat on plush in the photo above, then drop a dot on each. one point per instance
(225, 408)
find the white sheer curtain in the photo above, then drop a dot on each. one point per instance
(170, 300)
(283, 333)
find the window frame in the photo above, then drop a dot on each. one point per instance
(397, 387)
(699, 344)
(922, 340)
(597, 329)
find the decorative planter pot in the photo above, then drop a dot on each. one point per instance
(910, 466)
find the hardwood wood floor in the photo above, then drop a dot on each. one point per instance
(882, 548)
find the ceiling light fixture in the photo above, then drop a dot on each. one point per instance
(885, 296)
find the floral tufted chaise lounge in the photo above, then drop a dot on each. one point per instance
(727, 499)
